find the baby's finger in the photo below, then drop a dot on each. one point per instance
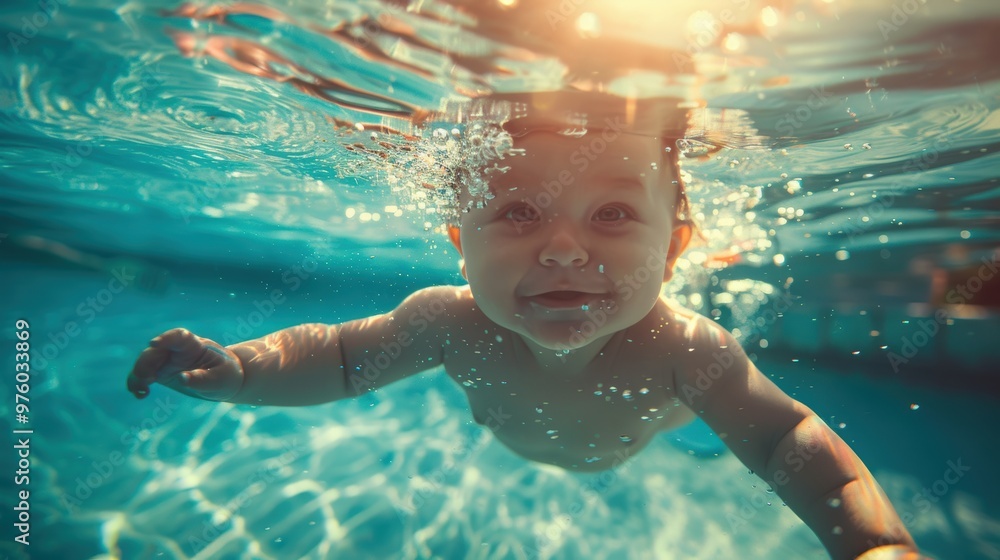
(144, 371)
(201, 380)
(139, 389)
(176, 340)
(177, 381)
(204, 384)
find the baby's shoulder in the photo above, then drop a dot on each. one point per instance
(678, 320)
(686, 327)
(442, 295)
(447, 305)
(702, 340)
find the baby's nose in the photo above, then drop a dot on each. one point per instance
(563, 249)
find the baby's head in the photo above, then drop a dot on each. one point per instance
(579, 236)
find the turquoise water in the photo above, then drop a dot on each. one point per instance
(869, 180)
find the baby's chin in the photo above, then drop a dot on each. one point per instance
(559, 337)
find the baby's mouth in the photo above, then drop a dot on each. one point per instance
(564, 299)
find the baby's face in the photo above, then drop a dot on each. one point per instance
(578, 239)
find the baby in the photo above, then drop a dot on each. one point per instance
(562, 341)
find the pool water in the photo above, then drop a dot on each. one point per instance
(406, 473)
(868, 181)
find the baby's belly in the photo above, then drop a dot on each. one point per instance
(574, 455)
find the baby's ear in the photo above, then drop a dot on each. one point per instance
(455, 234)
(678, 242)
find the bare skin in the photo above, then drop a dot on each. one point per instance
(535, 410)
(564, 302)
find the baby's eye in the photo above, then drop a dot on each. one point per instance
(522, 213)
(611, 214)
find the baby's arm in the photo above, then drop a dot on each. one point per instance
(306, 364)
(793, 450)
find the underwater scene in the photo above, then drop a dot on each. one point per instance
(767, 335)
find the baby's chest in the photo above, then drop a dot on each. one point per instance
(591, 413)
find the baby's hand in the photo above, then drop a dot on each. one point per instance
(187, 364)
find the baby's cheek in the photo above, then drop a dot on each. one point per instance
(623, 290)
(485, 291)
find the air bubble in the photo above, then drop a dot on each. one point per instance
(625, 438)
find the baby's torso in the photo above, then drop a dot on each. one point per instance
(587, 420)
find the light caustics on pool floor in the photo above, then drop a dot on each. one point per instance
(402, 474)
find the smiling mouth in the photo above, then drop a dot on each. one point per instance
(564, 299)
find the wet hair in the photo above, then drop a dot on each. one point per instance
(682, 204)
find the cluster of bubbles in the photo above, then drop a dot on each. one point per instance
(472, 155)
(461, 149)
